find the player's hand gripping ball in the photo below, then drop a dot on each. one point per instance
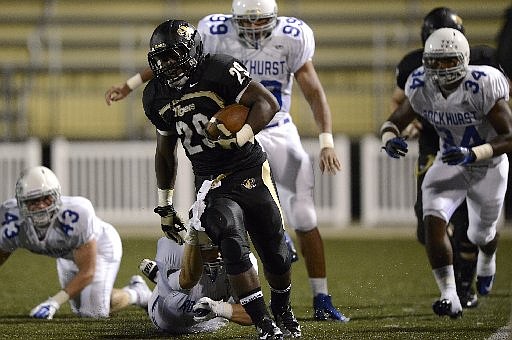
(226, 122)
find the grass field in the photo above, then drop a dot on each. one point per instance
(383, 284)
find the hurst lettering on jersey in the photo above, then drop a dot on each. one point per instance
(265, 67)
(450, 118)
(179, 111)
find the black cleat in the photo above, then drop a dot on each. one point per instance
(468, 298)
(267, 330)
(287, 322)
(444, 307)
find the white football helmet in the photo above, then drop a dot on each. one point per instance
(35, 183)
(442, 45)
(247, 13)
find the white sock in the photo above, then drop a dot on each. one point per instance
(132, 293)
(318, 285)
(445, 279)
(486, 264)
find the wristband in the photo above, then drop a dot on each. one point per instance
(224, 310)
(134, 82)
(387, 125)
(326, 141)
(483, 151)
(387, 136)
(165, 197)
(60, 297)
(244, 135)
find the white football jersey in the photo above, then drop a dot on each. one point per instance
(215, 285)
(171, 310)
(290, 46)
(75, 225)
(460, 119)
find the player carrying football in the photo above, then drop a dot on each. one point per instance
(188, 90)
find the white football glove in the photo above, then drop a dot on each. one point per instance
(45, 310)
(206, 309)
(196, 234)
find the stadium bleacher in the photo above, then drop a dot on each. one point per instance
(58, 57)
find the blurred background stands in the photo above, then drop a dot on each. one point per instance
(58, 58)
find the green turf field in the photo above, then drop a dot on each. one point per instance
(383, 284)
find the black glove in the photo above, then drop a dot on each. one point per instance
(396, 147)
(172, 225)
(458, 155)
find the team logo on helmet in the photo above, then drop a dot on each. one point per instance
(185, 31)
(457, 19)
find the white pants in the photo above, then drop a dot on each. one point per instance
(446, 186)
(168, 315)
(94, 299)
(293, 172)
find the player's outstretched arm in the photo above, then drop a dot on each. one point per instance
(390, 132)
(85, 259)
(314, 93)
(118, 92)
(206, 309)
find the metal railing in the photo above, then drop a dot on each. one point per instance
(119, 178)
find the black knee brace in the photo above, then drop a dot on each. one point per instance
(224, 223)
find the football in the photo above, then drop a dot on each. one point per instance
(227, 121)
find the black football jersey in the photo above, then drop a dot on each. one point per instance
(218, 81)
(479, 55)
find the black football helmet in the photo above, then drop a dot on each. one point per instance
(175, 51)
(440, 17)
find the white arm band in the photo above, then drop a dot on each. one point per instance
(245, 135)
(387, 125)
(224, 310)
(483, 151)
(387, 136)
(61, 297)
(165, 197)
(326, 141)
(134, 82)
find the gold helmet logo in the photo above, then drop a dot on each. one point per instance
(185, 31)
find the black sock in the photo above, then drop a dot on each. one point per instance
(279, 299)
(254, 305)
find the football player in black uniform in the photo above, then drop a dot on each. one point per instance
(188, 90)
(504, 46)
(465, 253)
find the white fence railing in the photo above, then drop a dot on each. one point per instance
(119, 178)
(15, 157)
(388, 186)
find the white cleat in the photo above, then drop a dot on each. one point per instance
(138, 284)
